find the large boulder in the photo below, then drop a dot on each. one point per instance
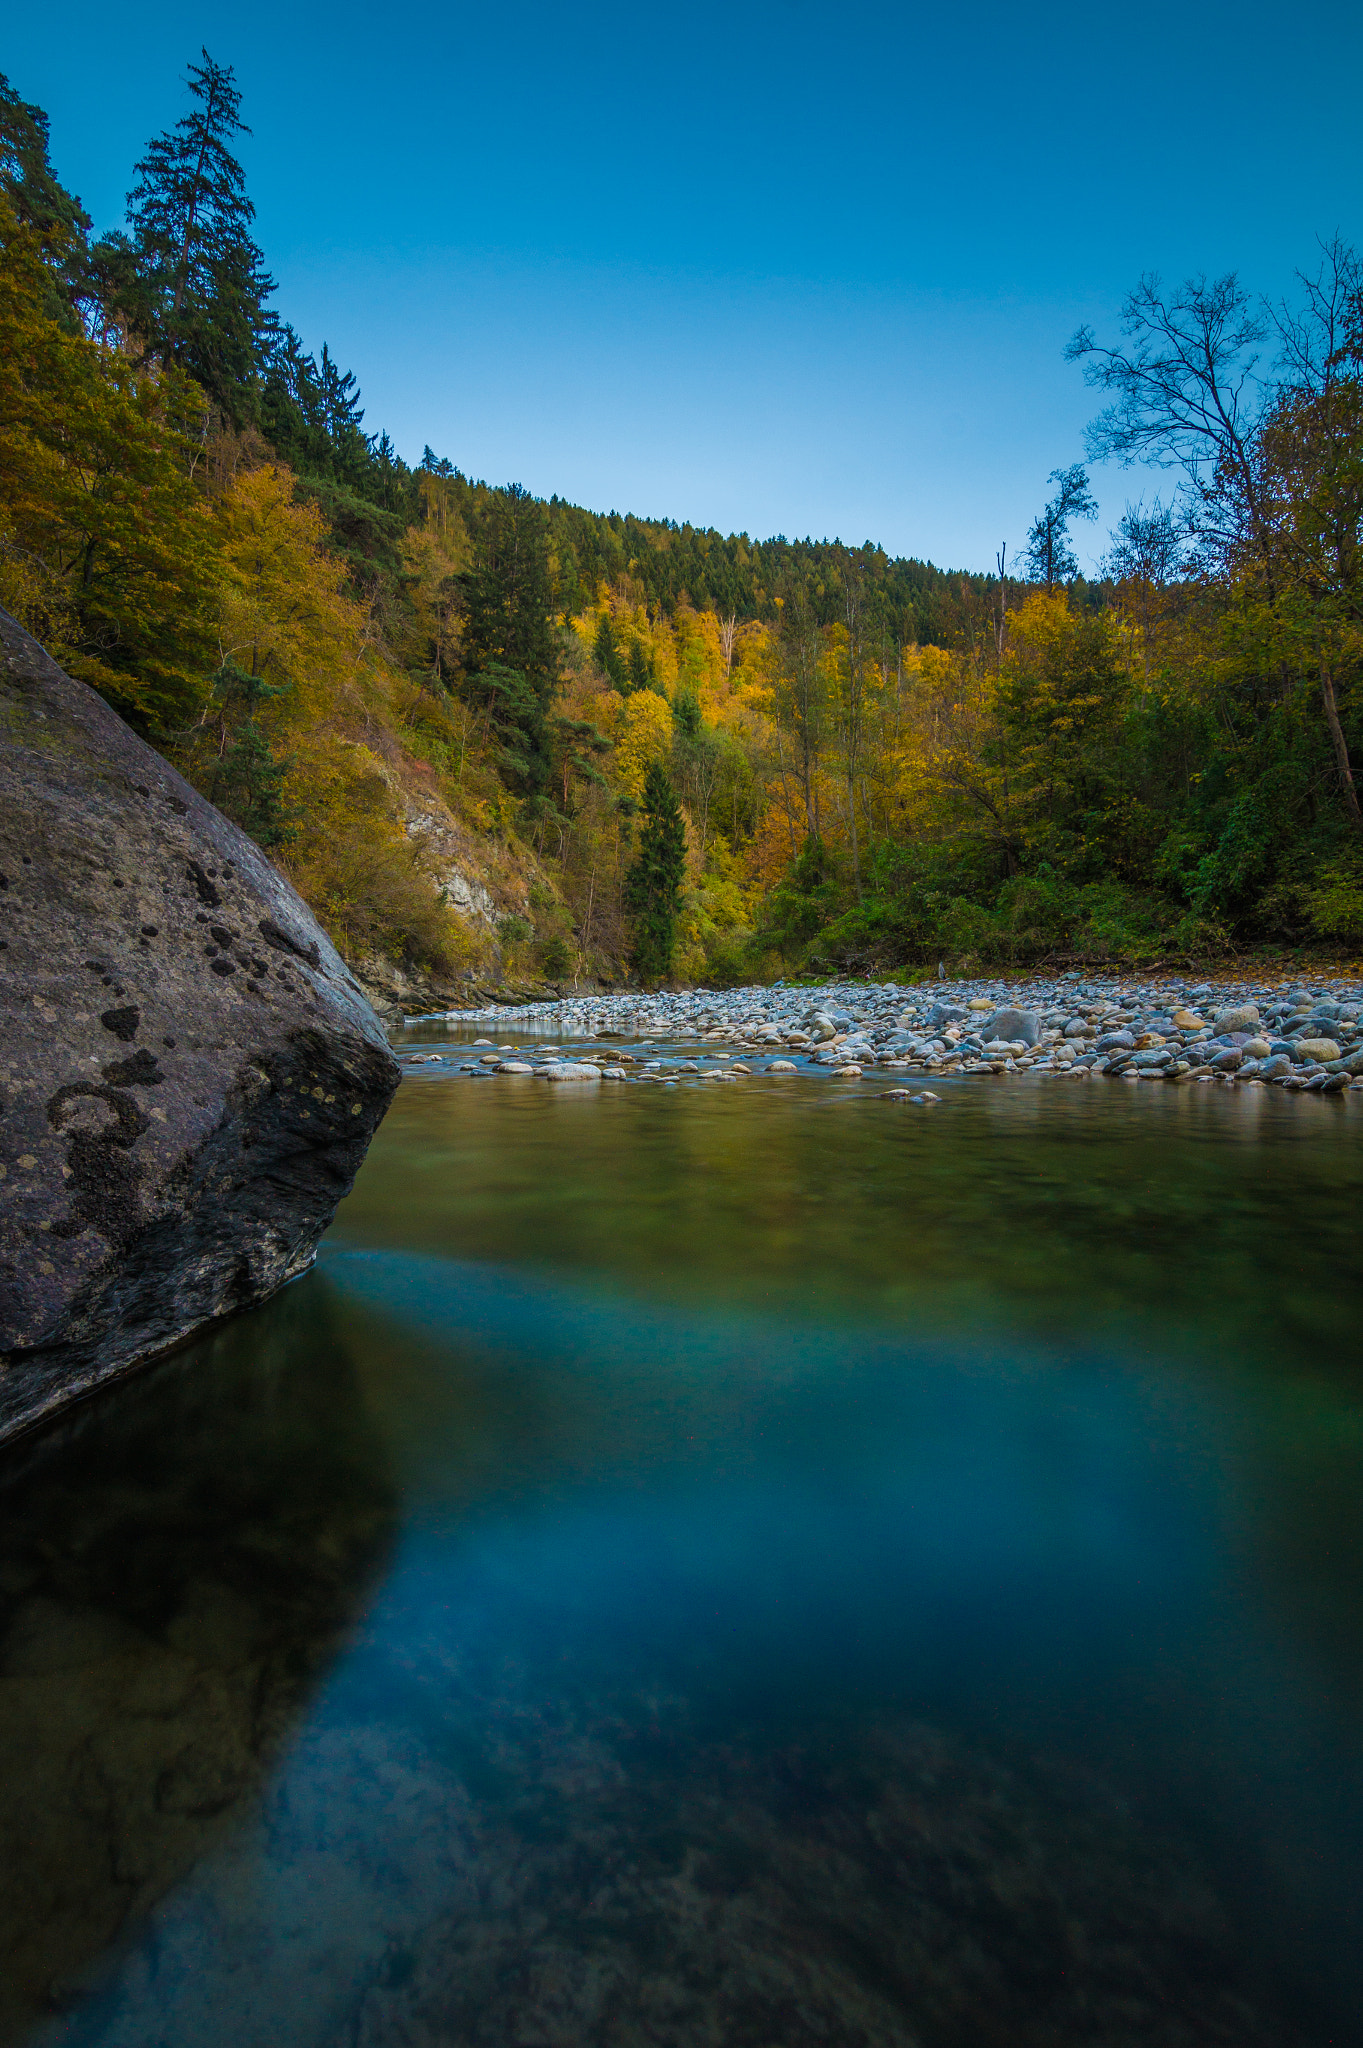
(191, 1074)
(1012, 1026)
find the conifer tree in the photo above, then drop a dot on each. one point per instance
(188, 277)
(248, 781)
(642, 671)
(653, 884)
(606, 653)
(39, 202)
(510, 650)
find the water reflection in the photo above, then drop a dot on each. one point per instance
(756, 1569)
(177, 1565)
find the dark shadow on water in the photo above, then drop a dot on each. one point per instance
(179, 1563)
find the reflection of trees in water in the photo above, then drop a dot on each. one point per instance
(177, 1564)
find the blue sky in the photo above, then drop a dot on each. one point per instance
(771, 267)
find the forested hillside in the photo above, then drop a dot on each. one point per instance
(490, 735)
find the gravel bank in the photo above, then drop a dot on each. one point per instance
(1306, 1037)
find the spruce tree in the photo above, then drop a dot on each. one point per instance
(248, 780)
(188, 277)
(642, 672)
(606, 653)
(653, 884)
(30, 187)
(510, 647)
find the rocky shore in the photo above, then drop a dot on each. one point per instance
(1304, 1038)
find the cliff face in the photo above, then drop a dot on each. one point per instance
(189, 1074)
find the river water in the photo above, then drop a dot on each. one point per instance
(749, 1564)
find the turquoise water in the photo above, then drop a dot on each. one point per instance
(751, 1564)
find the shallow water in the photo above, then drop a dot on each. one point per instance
(751, 1564)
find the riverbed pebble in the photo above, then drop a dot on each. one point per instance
(1305, 1039)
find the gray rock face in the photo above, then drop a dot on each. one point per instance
(190, 1073)
(1012, 1025)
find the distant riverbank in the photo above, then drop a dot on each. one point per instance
(1303, 1038)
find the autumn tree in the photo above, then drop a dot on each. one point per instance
(107, 551)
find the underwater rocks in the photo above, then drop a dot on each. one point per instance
(191, 1074)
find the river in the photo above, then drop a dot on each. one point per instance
(751, 1565)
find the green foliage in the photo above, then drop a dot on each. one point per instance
(654, 883)
(30, 188)
(108, 546)
(642, 670)
(510, 648)
(248, 780)
(556, 960)
(187, 276)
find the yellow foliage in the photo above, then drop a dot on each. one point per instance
(108, 554)
(284, 615)
(367, 880)
(642, 735)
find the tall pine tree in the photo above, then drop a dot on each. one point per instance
(510, 647)
(188, 277)
(653, 884)
(30, 187)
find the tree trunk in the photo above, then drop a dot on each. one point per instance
(1341, 745)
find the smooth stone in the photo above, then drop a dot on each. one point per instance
(175, 1141)
(515, 1067)
(1244, 1017)
(1013, 1025)
(782, 1067)
(1334, 1084)
(847, 1073)
(1321, 1049)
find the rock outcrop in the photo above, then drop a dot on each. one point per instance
(189, 1075)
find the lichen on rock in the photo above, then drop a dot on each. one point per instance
(190, 1074)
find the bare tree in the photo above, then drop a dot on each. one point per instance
(1257, 451)
(1188, 393)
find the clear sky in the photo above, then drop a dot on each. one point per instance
(771, 266)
